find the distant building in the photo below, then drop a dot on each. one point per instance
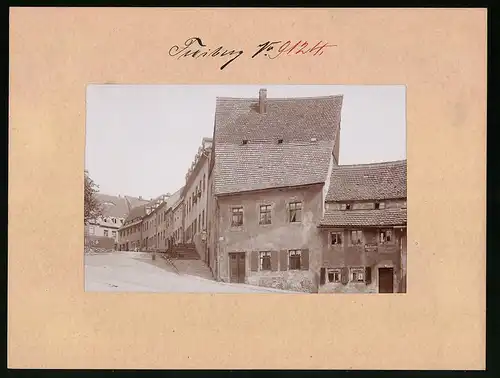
(147, 227)
(115, 211)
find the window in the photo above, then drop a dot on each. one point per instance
(356, 237)
(113, 233)
(204, 182)
(280, 141)
(114, 220)
(265, 260)
(346, 206)
(333, 275)
(295, 212)
(357, 274)
(377, 205)
(386, 236)
(105, 232)
(265, 214)
(199, 222)
(245, 141)
(203, 218)
(91, 230)
(237, 216)
(294, 259)
(194, 227)
(336, 238)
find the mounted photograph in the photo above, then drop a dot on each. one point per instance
(245, 189)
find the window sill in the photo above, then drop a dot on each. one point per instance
(236, 228)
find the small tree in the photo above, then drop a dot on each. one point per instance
(92, 207)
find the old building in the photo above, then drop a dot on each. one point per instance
(195, 198)
(364, 229)
(151, 223)
(174, 219)
(130, 234)
(269, 177)
(114, 212)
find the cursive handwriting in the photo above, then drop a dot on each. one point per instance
(199, 51)
(274, 49)
(195, 48)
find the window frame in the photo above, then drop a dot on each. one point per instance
(292, 253)
(267, 256)
(267, 214)
(360, 240)
(357, 271)
(297, 209)
(238, 212)
(334, 271)
(336, 233)
(383, 236)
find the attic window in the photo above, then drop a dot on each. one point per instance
(245, 141)
(280, 141)
(346, 206)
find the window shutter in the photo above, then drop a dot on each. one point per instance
(368, 275)
(283, 260)
(322, 276)
(254, 263)
(304, 263)
(274, 260)
(344, 275)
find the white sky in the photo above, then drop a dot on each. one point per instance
(141, 139)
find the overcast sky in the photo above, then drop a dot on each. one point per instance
(141, 139)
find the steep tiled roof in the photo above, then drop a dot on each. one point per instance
(140, 211)
(116, 206)
(291, 119)
(174, 198)
(307, 127)
(385, 217)
(368, 181)
(263, 166)
(136, 212)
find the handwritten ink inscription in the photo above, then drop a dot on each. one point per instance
(195, 48)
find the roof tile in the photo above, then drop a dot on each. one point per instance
(360, 218)
(368, 181)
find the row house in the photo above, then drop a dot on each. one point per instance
(175, 225)
(151, 223)
(150, 226)
(195, 198)
(130, 234)
(269, 178)
(363, 230)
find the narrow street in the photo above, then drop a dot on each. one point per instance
(137, 272)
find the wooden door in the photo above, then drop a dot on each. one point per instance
(385, 280)
(237, 267)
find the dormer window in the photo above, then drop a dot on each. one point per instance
(280, 141)
(245, 141)
(346, 206)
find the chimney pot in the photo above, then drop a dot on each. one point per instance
(262, 100)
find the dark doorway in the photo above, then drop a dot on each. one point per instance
(386, 280)
(237, 267)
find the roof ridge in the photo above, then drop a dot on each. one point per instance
(225, 98)
(382, 163)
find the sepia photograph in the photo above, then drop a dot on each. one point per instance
(245, 188)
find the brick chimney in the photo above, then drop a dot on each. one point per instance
(262, 101)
